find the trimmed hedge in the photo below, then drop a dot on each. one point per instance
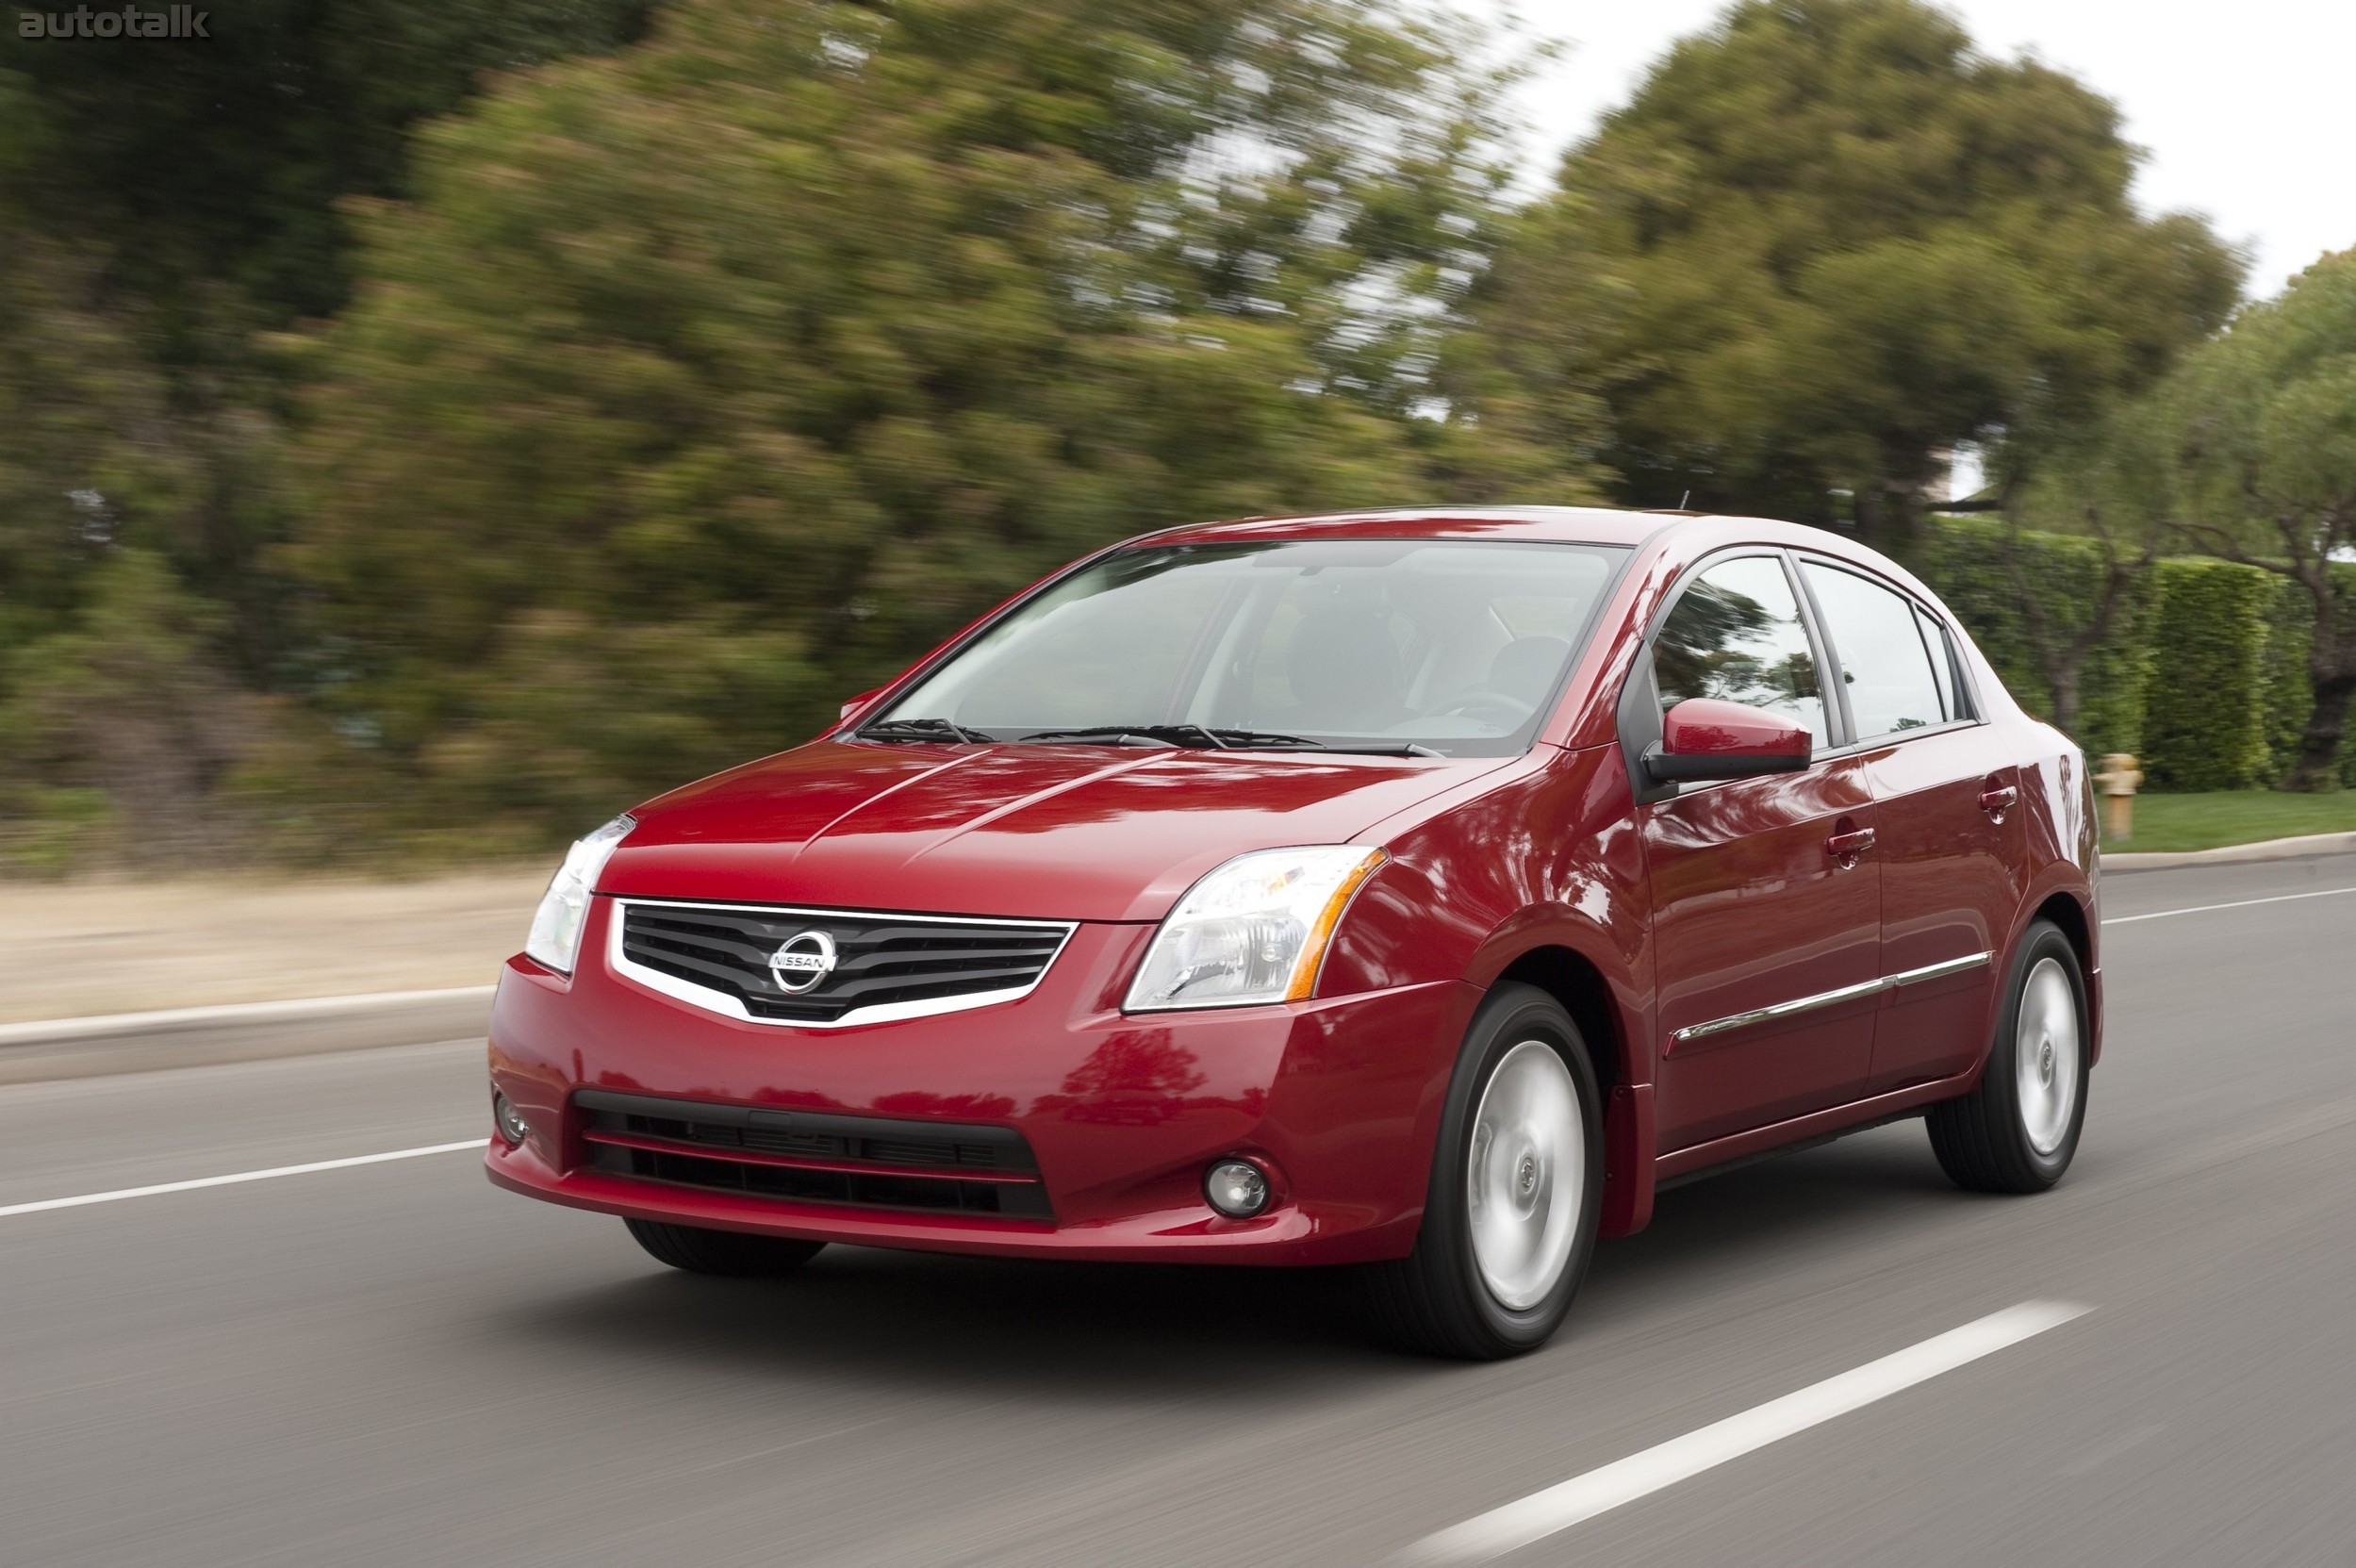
(2290, 696)
(2206, 710)
(1964, 560)
(2203, 674)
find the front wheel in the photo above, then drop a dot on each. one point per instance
(1516, 1179)
(2017, 1131)
(727, 1252)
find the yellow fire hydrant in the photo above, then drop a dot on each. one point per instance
(2117, 784)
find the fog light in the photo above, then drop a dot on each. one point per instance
(1236, 1188)
(512, 1126)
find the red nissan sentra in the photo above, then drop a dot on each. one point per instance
(1417, 889)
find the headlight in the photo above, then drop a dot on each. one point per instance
(1253, 931)
(555, 938)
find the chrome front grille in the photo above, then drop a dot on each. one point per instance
(725, 958)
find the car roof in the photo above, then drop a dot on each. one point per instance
(1555, 524)
(1675, 535)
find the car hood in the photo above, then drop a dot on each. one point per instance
(1072, 832)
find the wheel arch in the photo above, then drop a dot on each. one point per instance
(2065, 912)
(2068, 903)
(1571, 979)
(2071, 916)
(1622, 1071)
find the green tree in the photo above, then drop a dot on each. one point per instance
(193, 189)
(1827, 243)
(118, 729)
(208, 173)
(87, 456)
(2075, 597)
(705, 384)
(2261, 424)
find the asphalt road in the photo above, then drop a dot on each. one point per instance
(396, 1364)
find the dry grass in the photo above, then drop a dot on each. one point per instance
(70, 948)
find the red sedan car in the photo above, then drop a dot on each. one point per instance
(1417, 890)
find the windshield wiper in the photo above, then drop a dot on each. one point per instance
(1263, 740)
(921, 728)
(1169, 734)
(1217, 739)
(1121, 734)
(1383, 749)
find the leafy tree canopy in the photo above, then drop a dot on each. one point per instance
(1827, 242)
(704, 383)
(115, 733)
(207, 173)
(161, 205)
(2260, 427)
(84, 459)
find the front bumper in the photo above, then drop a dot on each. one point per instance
(1339, 1097)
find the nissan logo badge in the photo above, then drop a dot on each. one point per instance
(802, 962)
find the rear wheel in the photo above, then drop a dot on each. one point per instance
(727, 1252)
(1509, 1219)
(2017, 1131)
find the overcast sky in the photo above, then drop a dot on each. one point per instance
(2245, 104)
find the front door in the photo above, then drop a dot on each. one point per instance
(1764, 900)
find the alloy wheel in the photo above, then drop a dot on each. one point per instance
(2045, 1056)
(1525, 1175)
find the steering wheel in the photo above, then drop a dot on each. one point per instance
(1500, 708)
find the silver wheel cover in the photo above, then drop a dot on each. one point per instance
(1525, 1176)
(2045, 1056)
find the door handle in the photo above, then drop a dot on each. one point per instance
(1847, 848)
(1997, 800)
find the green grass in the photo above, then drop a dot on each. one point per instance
(2233, 816)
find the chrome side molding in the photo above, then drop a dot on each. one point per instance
(1828, 999)
(1780, 1010)
(1936, 971)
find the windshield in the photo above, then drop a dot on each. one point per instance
(1440, 648)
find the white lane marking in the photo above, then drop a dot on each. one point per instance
(2237, 903)
(160, 1187)
(1559, 1508)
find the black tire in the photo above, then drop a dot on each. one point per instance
(1984, 1140)
(725, 1252)
(1435, 1300)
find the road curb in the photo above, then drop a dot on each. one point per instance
(2233, 854)
(241, 1032)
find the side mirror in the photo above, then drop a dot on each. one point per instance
(1702, 738)
(860, 701)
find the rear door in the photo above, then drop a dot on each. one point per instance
(1765, 918)
(1949, 835)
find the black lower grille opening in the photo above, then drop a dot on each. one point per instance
(851, 1158)
(808, 1186)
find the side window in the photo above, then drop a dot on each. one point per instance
(1877, 641)
(1946, 665)
(1735, 634)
